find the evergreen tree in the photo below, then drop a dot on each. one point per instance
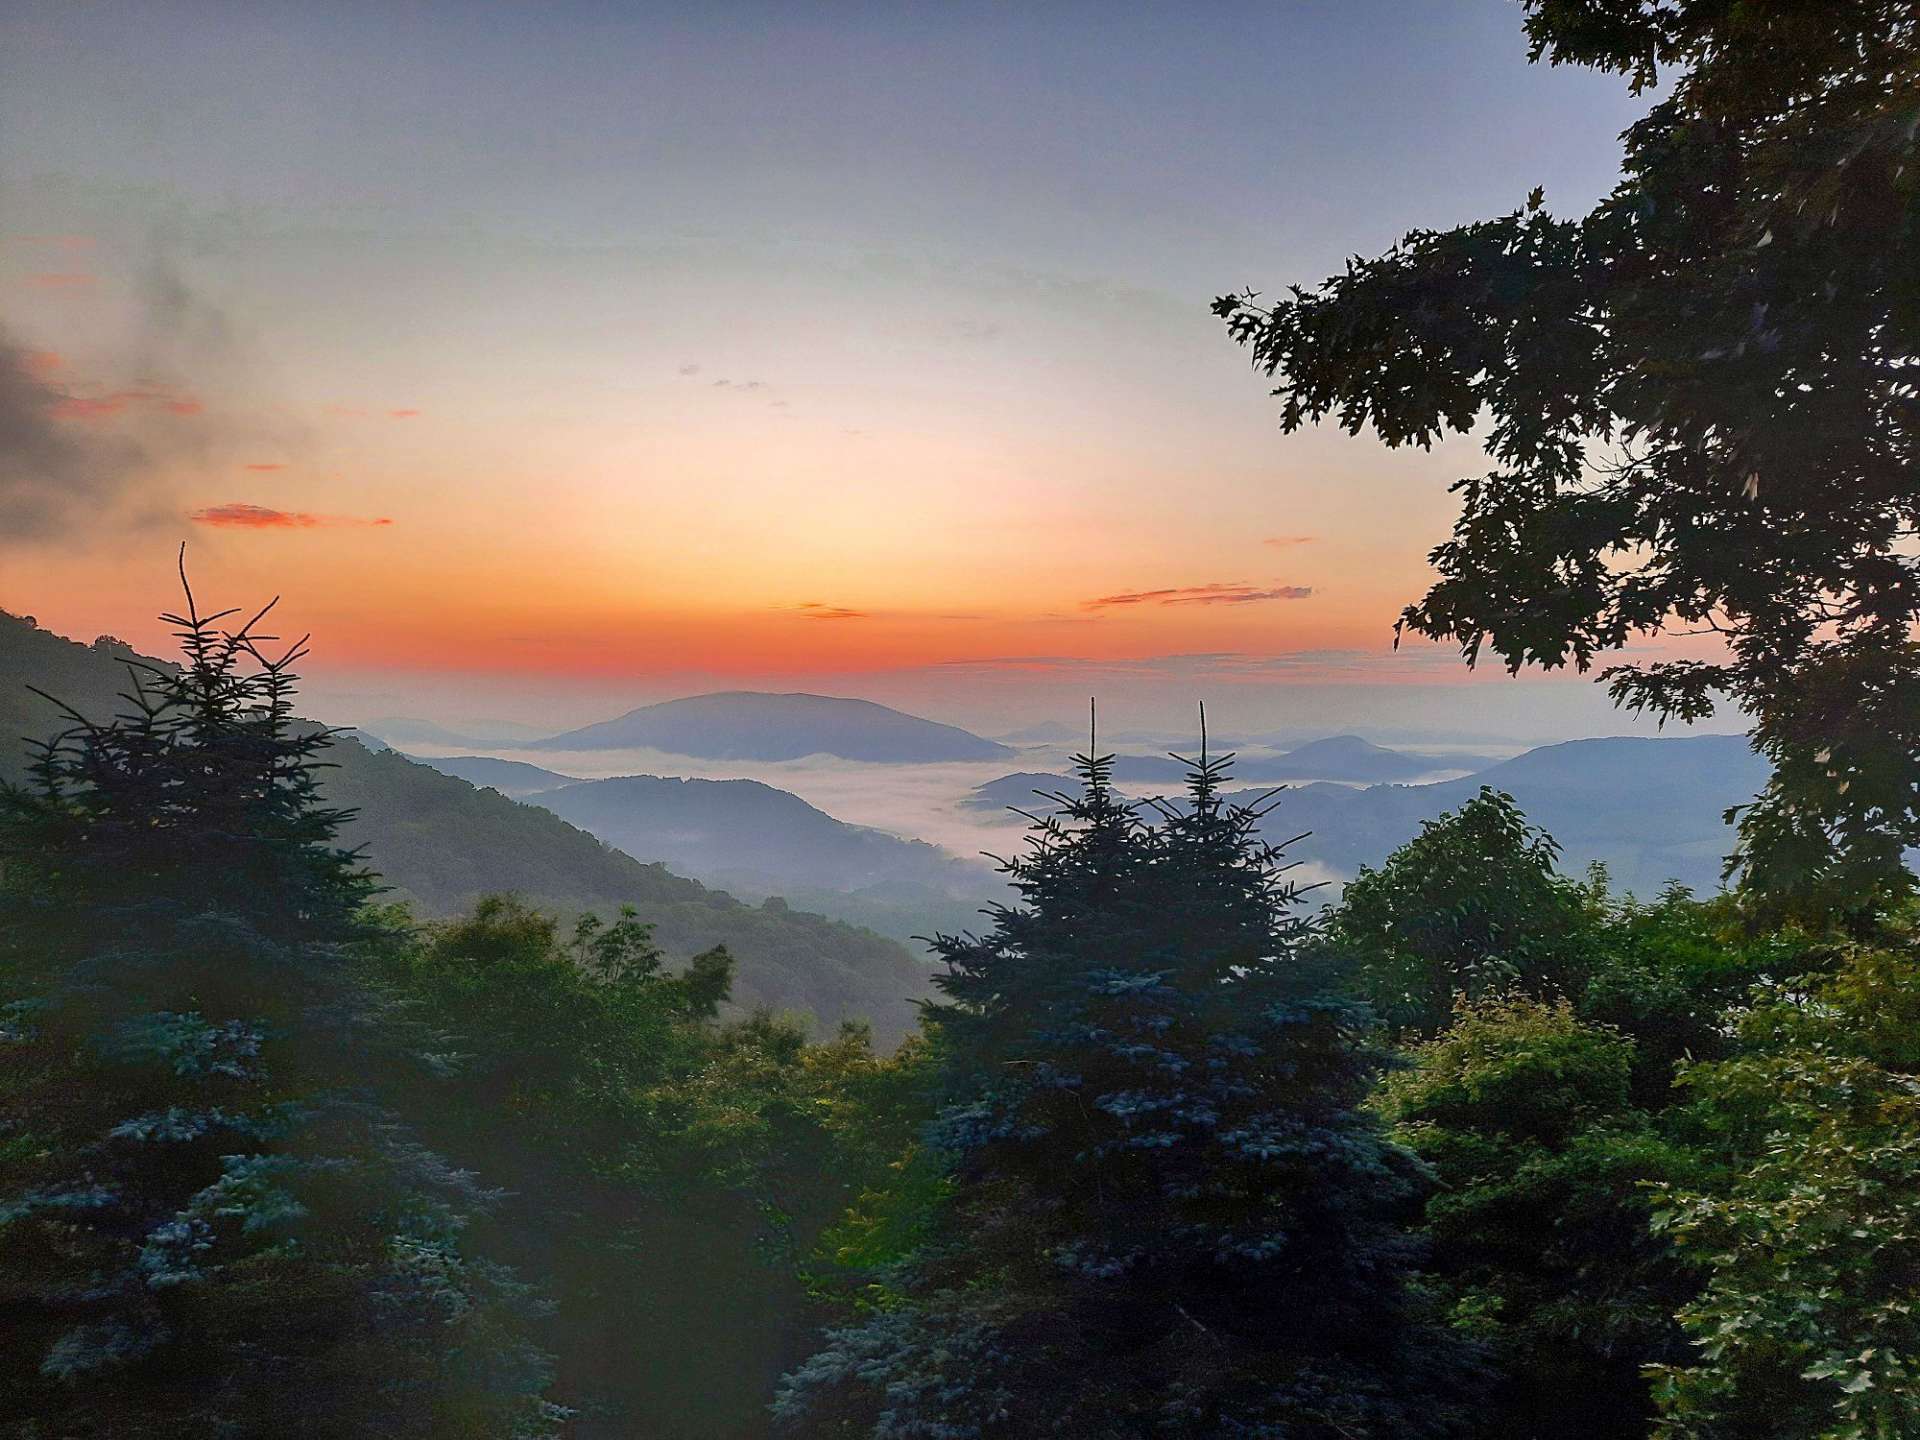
(209, 1223)
(1167, 1212)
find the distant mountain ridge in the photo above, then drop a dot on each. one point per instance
(401, 731)
(757, 725)
(756, 839)
(1349, 757)
(1023, 790)
(509, 777)
(1338, 757)
(1648, 808)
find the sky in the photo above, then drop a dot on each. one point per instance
(550, 360)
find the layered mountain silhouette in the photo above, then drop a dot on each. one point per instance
(1047, 732)
(509, 777)
(752, 725)
(1339, 757)
(1346, 758)
(757, 840)
(401, 731)
(1027, 790)
(1649, 809)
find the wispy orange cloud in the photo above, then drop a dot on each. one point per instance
(814, 610)
(263, 465)
(63, 280)
(42, 363)
(88, 407)
(403, 414)
(1287, 542)
(1216, 594)
(1421, 666)
(239, 514)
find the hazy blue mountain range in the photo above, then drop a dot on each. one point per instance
(750, 725)
(1338, 757)
(1022, 790)
(509, 777)
(1047, 732)
(759, 840)
(1648, 808)
(1348, 757)
(441, 843)
(400, 731)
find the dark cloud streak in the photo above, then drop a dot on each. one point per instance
(51, 478)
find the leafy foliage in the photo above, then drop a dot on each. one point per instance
(1469, 907)
(1541, 1243)
(1545, 1100)
(1701, 407)
(1806, 1326)
(1666, 975)
(665, 1175)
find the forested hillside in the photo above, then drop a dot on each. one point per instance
(509, 777)
(440, 844)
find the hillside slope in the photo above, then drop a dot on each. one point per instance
(441, 843)
(744, 828)
(753, 839)
(509, 777)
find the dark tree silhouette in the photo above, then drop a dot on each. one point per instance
(1701, 403)
(1169, 1214)
(209, 1224)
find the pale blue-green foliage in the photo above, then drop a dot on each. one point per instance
(78, 1198)
(177, 1124)
(200, 1167)
(941, 1378)
(172, 1251)
(188, 1044)
(105, 1345)
(1168, 1214)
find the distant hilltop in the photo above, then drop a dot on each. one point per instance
(753, 725)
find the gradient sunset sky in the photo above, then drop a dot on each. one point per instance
(555, 358)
